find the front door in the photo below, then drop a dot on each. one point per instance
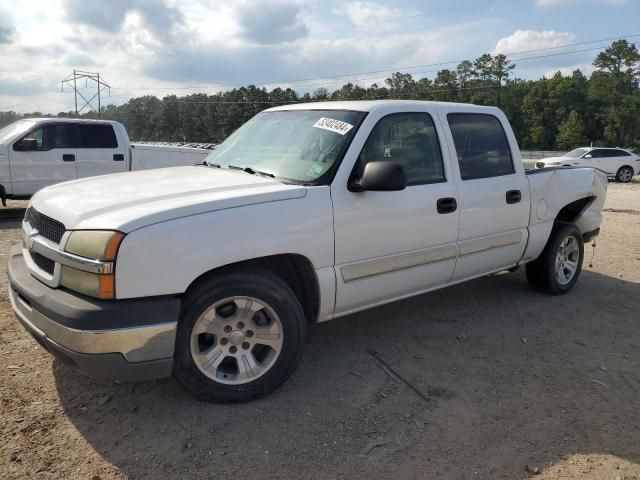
(394, 244)
(593, 159)
(494, 195)
(53, 160)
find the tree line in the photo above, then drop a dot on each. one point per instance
(561, 112)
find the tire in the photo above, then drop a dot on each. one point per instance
(566, 247)
(624, 174)
(240, 336)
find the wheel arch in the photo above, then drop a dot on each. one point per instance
(572, 211)
(296, 270)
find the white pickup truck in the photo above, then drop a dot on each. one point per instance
(38, 152)
(307, 213)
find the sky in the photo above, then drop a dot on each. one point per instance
(160, 47)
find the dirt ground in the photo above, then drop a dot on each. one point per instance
(512, 382)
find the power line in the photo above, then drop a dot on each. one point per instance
(72, 80)
(431, 70)
(394, 69)
(345, 77)
(481, 87)
(375, 77)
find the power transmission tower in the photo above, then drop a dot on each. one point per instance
(72, 81)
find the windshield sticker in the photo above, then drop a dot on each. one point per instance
(315, 170)
(332, 125)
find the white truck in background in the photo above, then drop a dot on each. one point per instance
(38, 152)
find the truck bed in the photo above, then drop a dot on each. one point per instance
(145, 156)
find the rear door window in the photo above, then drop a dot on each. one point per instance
(615, 153)
(481, 145)
(96, 136)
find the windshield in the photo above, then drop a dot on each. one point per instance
(15, 128)
(299, 145)
(577, 153)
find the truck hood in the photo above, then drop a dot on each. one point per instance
(128, 201)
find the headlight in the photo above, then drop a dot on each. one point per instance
(97, 245)
(94, 244)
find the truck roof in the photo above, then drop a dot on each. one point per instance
(69, 120)
(370, 105)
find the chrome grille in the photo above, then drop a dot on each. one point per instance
(46, 226)
(42, 262)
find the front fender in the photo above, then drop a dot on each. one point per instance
(165, 258)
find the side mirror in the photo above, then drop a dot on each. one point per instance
(588, 155)
(381, 176)
(28, 144)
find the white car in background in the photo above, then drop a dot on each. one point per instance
(617, 163)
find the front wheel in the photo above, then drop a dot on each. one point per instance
(240, 336)
(557, 269)
(624, 174)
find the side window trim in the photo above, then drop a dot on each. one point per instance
(354, 173)
(506, 140)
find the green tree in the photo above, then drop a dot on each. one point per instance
(445, 86)
(571, 133)
(621, 57)
(401, 85)
(546, 113)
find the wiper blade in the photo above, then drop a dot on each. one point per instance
(252, 171)
(215, 165)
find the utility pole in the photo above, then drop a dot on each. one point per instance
(72, 80)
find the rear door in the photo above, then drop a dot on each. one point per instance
(613, 159)
(53, 160)
(493, 193)
(99, 151)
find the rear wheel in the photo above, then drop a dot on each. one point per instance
(557, 269)
(624, 174)
(240, 337)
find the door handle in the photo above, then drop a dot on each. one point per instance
(118, 157)
(68, 157)
(447, 205)
(514, 196)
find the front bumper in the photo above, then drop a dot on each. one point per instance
(117, 339)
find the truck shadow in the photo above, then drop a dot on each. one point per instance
(513, 378)
(11, 218)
